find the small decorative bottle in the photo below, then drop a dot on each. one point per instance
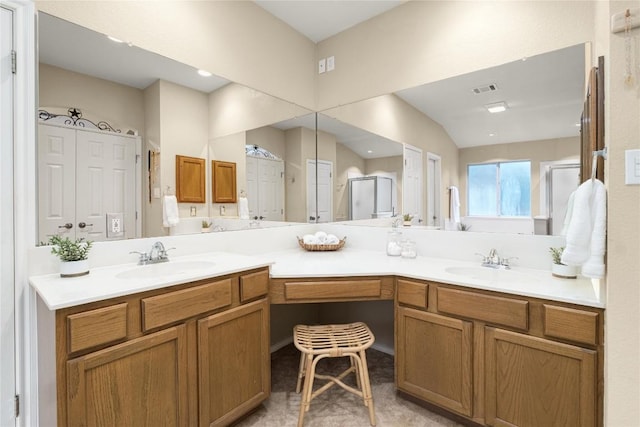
(394, 243)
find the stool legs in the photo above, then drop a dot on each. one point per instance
(307, 371)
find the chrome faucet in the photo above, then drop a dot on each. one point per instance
(493, 260)
(156, 255)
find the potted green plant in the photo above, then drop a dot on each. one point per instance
(558, 269)
(406, 219)
(206, 226)
(73, 255)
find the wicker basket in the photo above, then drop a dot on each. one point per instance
(315, 248)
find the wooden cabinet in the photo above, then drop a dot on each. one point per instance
(434, 358)
(142, 382)
(537, 382)
(499, 359)
(191, 354)
(224, 181)
(234, 362)
(190, 172)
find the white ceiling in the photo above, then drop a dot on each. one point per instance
(544, 93)
(321, 19)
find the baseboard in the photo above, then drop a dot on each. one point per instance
(282, 343)
(383, 348)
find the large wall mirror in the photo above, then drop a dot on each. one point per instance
(461, 144)
(106, 185)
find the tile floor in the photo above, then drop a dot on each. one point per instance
(337, 407)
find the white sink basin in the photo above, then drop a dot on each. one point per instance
(485, 273)
(170, 268)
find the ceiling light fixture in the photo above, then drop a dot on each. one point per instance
(496, 107)
(204, 73)
(113, 39)
(369, 151)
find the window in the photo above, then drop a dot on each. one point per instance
(499, 189)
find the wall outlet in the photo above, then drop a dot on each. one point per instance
(192, 211)
(115, 225)
(322, 66)
(331, 63)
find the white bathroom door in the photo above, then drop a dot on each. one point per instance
(271, 189)
(252, 186)
(7, 273)
(56, 182)
(412, 182)
(105, 183)
(319, 192)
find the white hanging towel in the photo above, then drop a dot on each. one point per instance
(454, 200)
(243, 208)
(586, 234)
(170, 215)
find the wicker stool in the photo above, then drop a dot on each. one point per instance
(316, 343)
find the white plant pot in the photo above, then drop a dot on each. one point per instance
(74, 268)
(564, 271)
(406, 223)
(206, 229)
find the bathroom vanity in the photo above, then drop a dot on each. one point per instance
(149, 347)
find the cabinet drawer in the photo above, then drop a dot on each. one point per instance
(567, 323)
(174, 306)
(97, 327)
(332, 289)
(502, 311)
(254, 285)
(413, 293)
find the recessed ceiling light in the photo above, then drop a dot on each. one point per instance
(369, 151)
(496, 107)
(204, 73)
(113, 39)
(492, 134)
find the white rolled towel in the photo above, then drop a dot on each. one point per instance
(321, 237)
(243, 208)
(332, 239)
(310, 239)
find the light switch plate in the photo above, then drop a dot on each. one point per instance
(115, 225)
(632, 167)
(322, 65)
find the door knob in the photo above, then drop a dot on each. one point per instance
(312, 218)
(67, 226)
(84, 224)
(261, 217)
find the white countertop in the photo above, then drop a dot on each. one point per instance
(108, 282)
(356, 262)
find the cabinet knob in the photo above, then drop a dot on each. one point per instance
(67, 226)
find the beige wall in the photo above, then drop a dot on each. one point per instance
(99, 100)
(424, 41)
(270, 138)
(183, 131)
(236, 40)
(622, 318)
(235, 108)
(152, 207)
(535, 151)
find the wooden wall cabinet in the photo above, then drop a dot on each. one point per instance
(224, 181)
(192, 354)
(190, 182)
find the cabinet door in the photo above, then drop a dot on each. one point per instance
(234, 372)
(142, 382)
(434, 358)
(535, 382)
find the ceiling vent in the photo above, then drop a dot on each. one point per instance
(486, 88)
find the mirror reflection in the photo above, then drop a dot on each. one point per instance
(521, 163)
(103, 185)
